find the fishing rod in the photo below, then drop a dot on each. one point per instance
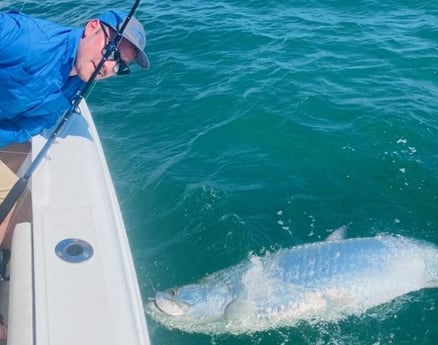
(21, 184)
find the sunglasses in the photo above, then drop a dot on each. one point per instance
(120, 68)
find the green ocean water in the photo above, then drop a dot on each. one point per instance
(267, 124)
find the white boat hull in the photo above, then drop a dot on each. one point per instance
(84, 288)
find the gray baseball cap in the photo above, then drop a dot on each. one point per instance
(134, 32)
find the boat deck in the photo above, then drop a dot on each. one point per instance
(12, 158)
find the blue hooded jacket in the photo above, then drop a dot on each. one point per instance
(36, 58)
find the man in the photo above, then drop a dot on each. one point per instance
(43, 65)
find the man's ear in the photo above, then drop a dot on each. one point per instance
(92, 27)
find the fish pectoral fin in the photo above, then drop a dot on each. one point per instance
(238, 309)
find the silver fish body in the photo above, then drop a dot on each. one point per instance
(323, 281)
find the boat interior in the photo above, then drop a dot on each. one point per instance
(13, 159)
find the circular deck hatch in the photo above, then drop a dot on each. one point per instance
(74, 250)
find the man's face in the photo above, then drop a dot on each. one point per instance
(95, 38)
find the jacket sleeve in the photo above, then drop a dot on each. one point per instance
(21, 130)
(12, 41)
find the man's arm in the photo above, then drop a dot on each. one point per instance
(21, 129)
(13, 42)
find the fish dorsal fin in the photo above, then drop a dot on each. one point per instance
(338, 234)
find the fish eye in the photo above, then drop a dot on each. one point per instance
(172, 292)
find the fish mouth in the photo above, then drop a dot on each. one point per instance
(168, 306)
(157, 305)
(154, 305)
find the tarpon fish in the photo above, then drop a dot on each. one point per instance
(323, 281)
